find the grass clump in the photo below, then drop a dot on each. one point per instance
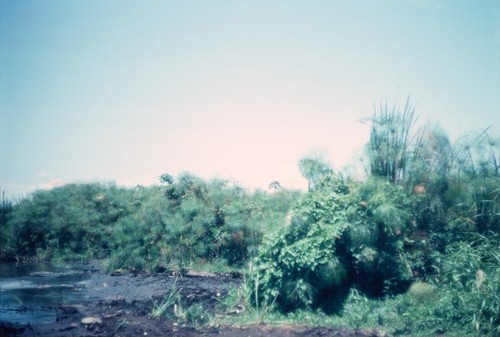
(169, 306)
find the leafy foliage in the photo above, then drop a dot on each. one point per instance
(469, 278)
(73, 220)
(379, 231)
(413, 236)
(307, 260)
(314, 168)
(186, 221)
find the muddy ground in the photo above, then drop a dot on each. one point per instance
(121, 305)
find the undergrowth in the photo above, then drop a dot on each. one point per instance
(425, 310)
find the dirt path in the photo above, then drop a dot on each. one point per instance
(121, 305)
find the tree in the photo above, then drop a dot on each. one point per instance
(167, 178)
(275, 185)
(314, 168)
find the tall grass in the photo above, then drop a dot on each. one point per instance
(388, 146)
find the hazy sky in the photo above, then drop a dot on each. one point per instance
(127, 90)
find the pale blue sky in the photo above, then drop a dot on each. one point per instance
(127, 90)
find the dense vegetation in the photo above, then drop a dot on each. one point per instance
(412, 248)
(186, 221)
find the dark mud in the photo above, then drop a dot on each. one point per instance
(121, 305)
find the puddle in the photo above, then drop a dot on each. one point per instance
(27, 291)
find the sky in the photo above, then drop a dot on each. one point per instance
(123, 91)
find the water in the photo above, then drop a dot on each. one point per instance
(29, 292)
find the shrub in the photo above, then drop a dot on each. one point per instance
(195, 222)
(305, 265)
(469, 276)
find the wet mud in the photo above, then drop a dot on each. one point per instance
(121, 305)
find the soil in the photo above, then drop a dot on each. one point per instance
(121, 305)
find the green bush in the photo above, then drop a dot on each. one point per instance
(197, 222)
(69, 222)
(188, 221)
(469, 277)
(307, 262)
(378, 232)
